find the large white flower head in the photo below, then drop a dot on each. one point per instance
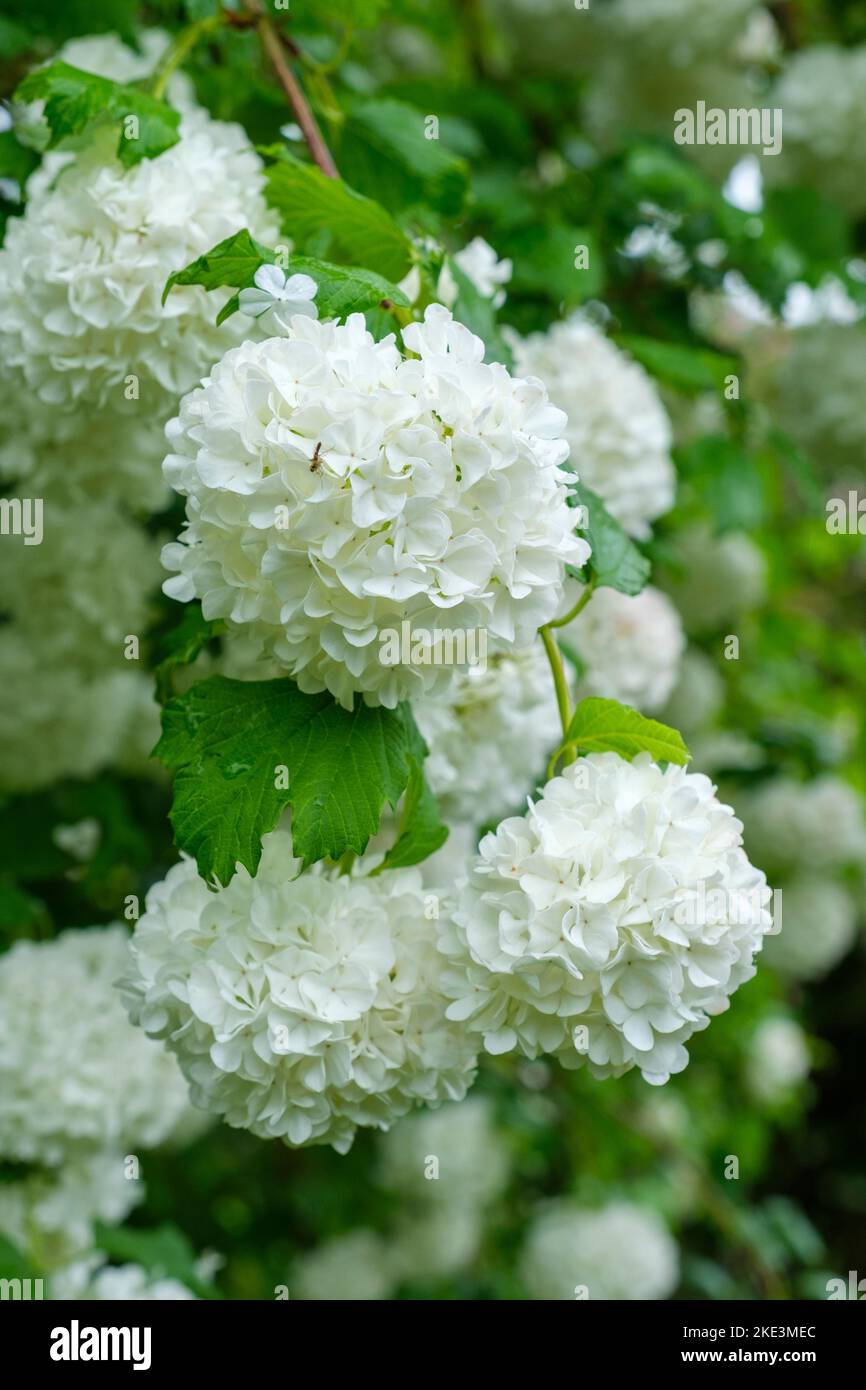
(453, 1156)
(75, 1077)
(630, 647)
(819, 928)
(619, 1252)
(56, 720)
(337, 491)
(82, 271)
(300, 1006)
(89, 584)
(608, 923)
(618, 431)
(51, 1214)
(717, 577)
(490, 735)
(824, 122)
(827, 815)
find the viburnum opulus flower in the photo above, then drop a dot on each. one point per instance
(618, 432)
(93, 1279)
(75, 1077)
(819, 927)
(50, 1214)
(630, 647)
(609, 923)
(338, 490)
(818, 91)
(300, 1007)
(620, 1251)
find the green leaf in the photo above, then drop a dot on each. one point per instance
(347, 227)
(544, 262)
(478, 314)
(181, 645)
(689, 369)
(616, 562)
(75, 101)
(226, 741)
(385, 153)
(606, 726)
(20, 913)
(342, 290)
(421, 830)
(14, 1265)
(163, 1251)
(17, 161)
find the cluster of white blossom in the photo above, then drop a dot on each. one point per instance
(483, 268)
(717, 577)
(337, 490)
(608, 923)
(826, 814)
(300, 1005)
(619, 1252)
(490, 735)
(50, 1214)
(75, 1077)
(92, 1279)
(629, 647)
(778, 1059)
(349, 1268)
(618, 432)
(819, 927)
(818, 394)
(818, 92)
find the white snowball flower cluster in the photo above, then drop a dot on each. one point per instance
(608, 923)
(490, 735)
(618, 432)
(302, 1007)
(91, 1279)
(825, 126)
(819, 928)
(684, 31)
(827, 815)
(630, 647)
(50, 1215)
(74, 1076)
(83, 270)
(337, 491)
(350, 1268)
(620, 1252)
(819, 396)
(717, 578)
(91, 582)
(57, 721)
(778, 1059)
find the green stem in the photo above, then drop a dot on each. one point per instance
(578, 607)
(554, 656)
(180, 50)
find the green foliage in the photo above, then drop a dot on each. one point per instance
(228, 742)
(384, 152)
(606, 726)
(687, 368)
(164, 1252)
(421, 830)
(181, 645)
(615, 562)
(77, 101)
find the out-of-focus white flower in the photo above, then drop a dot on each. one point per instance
(618, 1252)
(91, 1280)
(819, 928)
(435, 1242)
(609, 923)
(453, 1156)
(354, 1267)
(490, 735)
(300, 1005)
(337, 491)
(778, 1059)
(83, 270)
(784, 817)
(50, 1215)
(717, 577)
(618, 432)
(630, 647)
(80, 840)
(274, 290)
(75, 1077)
(818, 396)
(480, 264)
(818, 91)
(683, 31)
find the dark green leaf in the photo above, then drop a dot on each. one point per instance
(421, 830)
(181, 645)
(616, 562)
(385, 152)
(75, 101)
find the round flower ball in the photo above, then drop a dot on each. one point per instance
(451, 1156)
(629, 647)
(818, 929)
(301, 1006)
(351, 1268)
(82, 272)
(618, 431)
(819, 397)
(609, 923)
(51, 1213)
(95, 1281)
(818, 91)
(717, 577)
(490, 735)
(778, 1059)
(783, 816)
(372, 518)
(74, 1076)
(621, 1251)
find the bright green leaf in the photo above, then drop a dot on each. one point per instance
(421, 830)
(181, 645)
(606, 726)
(616, 562)
(385, 152)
